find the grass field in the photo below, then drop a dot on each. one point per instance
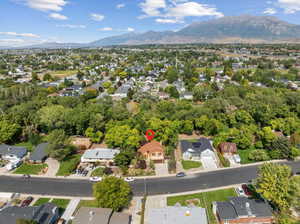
(63, 74)
(204, 200)
(244, 154)
(67, 166)
(33, 169)
(98, 172)
(27, 145)
(88, 203)
(41, 201)
(186, 164)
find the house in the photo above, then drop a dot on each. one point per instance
(99, 155)
(40, 153)
(81, 142)
(243, 210)
(200, 149)
(8, 152)
(44, 214)
(177, 215)
(153, 151)
(227, 148)
(87, 215)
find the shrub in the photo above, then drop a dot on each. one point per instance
(258, 155)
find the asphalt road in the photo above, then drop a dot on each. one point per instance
(153, 186)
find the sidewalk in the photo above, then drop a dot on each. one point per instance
(70, 209)
(169, 175)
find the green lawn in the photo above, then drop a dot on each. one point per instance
(33, 169)
(28, 145)
(244, 154)
(68, 165)
(98, 172)
(204, 200)
(187, 164)
(61, 204)
(41, 201)
(87, 203)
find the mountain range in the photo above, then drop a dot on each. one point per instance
(228, 29)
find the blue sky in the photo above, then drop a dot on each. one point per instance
(24, 22)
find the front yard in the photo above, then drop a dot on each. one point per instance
(68, 165)
(187, 164)
(32, 169)
(244, 154)
(203, 200)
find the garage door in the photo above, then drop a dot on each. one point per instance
(208, 162)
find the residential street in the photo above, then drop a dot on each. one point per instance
(153, 186)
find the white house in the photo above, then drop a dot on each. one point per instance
(99, 155)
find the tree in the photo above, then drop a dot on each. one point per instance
(8, 131)
(123, 136)
(124, 158)
(281, 149)
(172, 91)
(112, 192)
(58, 147)
(274, 184)
(259, 155)
(94, 136)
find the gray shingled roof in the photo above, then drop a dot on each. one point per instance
(42, 214)
(19, 151)
(198, 146)
(177, 215)
(40, 152)
(243, 206)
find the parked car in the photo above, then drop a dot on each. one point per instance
(27, 201)
(95, 179)
(13, 165)
(246, 190)
(180, 174)
(129, 179)
(240, 191)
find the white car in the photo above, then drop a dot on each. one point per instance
(95, 179)
(129, 179)
(240, 192)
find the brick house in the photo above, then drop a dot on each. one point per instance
(242, 210)
(153, 151)
(227, 148)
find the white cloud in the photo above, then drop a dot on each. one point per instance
(119, 6)
(270, 11)
(130, 29)
(58, 16)
(11, 41)
(106, 29)
(289, 6)
(175, 11)
(159, 20)
(192, 9)
(152, 7)
(71, 26)
(46, 5)
(19, 34)
(97, 17)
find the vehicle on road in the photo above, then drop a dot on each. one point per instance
(129, 179)
(240, 191)
(26, 176)
(95, 179)
(247, 190)
(180, 174)
(27, 201)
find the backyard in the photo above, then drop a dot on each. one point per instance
(32, 169)
(187, 164)
(204, 200)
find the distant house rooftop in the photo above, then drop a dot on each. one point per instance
(17, 151)
(196, 146)
(93, 155)
(40, 153)
(177, 215)
(45, 214)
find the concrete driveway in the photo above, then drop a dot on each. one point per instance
(53, 166)
(208, 163)
(161, 169)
